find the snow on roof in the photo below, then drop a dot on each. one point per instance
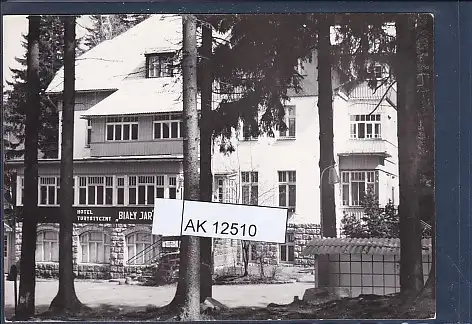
(107, 64)
(141, 96)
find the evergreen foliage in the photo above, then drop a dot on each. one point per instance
(105, 27)
(14, 99)
(377, 222)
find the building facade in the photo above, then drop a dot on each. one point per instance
(128, 149)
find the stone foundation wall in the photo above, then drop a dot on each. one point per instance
(303, 234)
(225, 252)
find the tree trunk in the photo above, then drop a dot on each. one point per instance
(187, 296)
(246, 246)
(426, 98)
(66, 298)
(206, 177)
(411, 268)
(325, 111)
(26, 306)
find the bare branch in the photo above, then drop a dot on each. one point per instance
(383, 97)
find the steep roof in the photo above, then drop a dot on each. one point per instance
(107, 64)
(383, 246)
(357, 90)
(141, 96)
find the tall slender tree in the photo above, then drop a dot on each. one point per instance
(187, 297)
(66, 298)
(206, 178)
(411, 267)
(325, 112)
(26, 306)
(425, 93)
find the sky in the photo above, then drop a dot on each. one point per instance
(14, 26)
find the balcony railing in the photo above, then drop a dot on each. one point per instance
(358, 212)
(155, 147)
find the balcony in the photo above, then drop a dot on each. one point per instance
(371, 146)
(139, 148)
(358, 212)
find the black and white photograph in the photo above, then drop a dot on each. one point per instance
(211, 167)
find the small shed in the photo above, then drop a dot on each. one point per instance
(362, 266)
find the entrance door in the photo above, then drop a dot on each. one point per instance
(6, 252)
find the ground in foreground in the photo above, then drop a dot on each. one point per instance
(363, 307)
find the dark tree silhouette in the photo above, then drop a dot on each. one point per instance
(66, 298)
(26, 306)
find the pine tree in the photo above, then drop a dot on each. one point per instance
(105, 27)
(206, 179)
(66, 298)
(189, 272)
(26, 306)
(50, 60)
(411, 269)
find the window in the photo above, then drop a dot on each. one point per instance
(89, 133)
(95, 247)
(160, 65)
(47, 246)
(122, 128)
(225, 189)
(141, 190)
(22, 189)
(252, 250)
(365, 126)
(220, 189)
(230, 185)
(247, 130)
(287, 190)
(96, 190)
(300, 67)
(138, 247)
(249, 188)
(355, 185)
(5, 246)
(48, 190)
(172, 187)
(289, 120)
(120, 190)
(376, 71)
(287, 250)
(160, 188)
(167, 126)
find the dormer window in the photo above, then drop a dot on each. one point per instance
(159, 65)
(376, 71)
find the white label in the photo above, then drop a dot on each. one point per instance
(209, 219)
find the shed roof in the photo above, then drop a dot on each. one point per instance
(383, 246)
(141, 96)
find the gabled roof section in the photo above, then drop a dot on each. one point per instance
(141, 96)
(107, 64)
(359, 91)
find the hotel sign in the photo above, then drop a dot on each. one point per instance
(106, 215)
